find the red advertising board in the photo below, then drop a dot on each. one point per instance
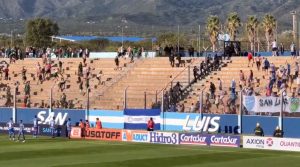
(104, 134)
(76, 133)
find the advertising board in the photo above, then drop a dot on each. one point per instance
(271, 143)
(135, 136)
(209, 139)
(44, 116)
(104, 134)
(164, 137)
(76, 133)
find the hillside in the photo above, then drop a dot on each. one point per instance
(105, 14)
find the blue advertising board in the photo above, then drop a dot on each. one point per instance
(196, 122)
(267, 123)
(44, 116)
(5, 114)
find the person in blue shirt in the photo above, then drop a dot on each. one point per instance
(69, 127)
(52, 127)
(11, 131)
(35, 126)
(21, 131)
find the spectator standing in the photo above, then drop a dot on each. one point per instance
(281, 47)
(293, 50)
(274, 48)
(98, 124)
(220, 84)
(296, 70)
(250, 58)
(258, 62)
(69, 128)
(150, 124)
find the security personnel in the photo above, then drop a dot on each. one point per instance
(258, 131)
(278, 132)
(98, 124)
(150, 125)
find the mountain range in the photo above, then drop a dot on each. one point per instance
(106, 15)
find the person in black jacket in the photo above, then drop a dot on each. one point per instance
(278, 132)
(258, 131)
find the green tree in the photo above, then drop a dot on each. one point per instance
(233, 24)
(171, 39)
(213, 28)
(269, 24)
(39, 32)
(252, 25)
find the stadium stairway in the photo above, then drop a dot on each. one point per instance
(145, 81)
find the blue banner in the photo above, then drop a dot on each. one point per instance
(44, 116)
(138, 118)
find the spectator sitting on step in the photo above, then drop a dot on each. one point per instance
(192, 108)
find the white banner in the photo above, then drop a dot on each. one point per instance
(271, 104)
(271, 143)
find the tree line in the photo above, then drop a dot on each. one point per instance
(234, 23)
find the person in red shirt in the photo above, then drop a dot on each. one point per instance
(87, 124)
(81, 125)
(150, 125)
(98, 124)
(250, 58)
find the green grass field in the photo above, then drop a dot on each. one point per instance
(83, 153)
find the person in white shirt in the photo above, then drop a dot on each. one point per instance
(52, 127)
(274, 48)
(21, 131)
(220, 84)
(35, 126)
(11, 131)
(293, 50)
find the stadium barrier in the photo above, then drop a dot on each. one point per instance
(271, 143)
(169, 121)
